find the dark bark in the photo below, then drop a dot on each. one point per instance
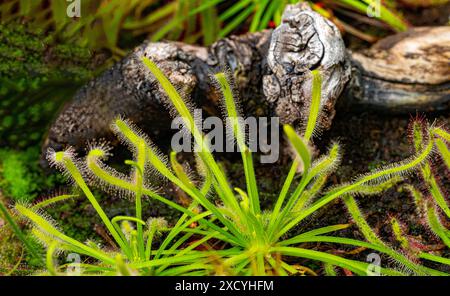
(271, 70)
(272, 75)
(405, 72)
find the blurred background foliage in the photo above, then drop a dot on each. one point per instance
(112, 24)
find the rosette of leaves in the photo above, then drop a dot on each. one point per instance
(224, 230)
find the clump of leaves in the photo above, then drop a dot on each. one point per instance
(233, 235)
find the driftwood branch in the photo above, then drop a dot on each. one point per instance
(272, 74)
(405, 72)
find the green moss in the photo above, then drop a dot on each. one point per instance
(37, 75)
(21, 178)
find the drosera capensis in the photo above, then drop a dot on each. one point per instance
(253, 240)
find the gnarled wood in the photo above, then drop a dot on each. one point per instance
(405, 72)
(271, 70)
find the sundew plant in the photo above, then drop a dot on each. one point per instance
(225, 230)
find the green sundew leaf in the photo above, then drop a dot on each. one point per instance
(277, 268)
(314, 232)
(104, 175)
(442, 133)
(260, 265)
(189, 258)
(314, 108)
(121, 266)
(437, 194)
(427, 173)
(300, 146)
(359, 268)
(417, 269)
(19, 234)
(417, 130)
(385, 172)
(206, 187)
(179, 170)
(372, 237)
(245, 201)
(123, 127)
(417, 196)
(398, 233)
(232, 109)
(76, 175)
(49, 258)
(435, 258)
(228, 197)
(176, 230)
(377, 188)
(116, 219)
(239, 134)
(304, 154)
(113, 180)
(53, 200)
(307, 195)
(319, 171)
(436, 225)
(329, 269)
(360, 221)
(328, 163)
(250, 177)
(152, 156)
(182, 240)
(284, 191)
(135, 165)
(46, 227)
(172, 93)
(444, 151)
(188, 249)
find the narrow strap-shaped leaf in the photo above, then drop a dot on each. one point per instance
(300, 146)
